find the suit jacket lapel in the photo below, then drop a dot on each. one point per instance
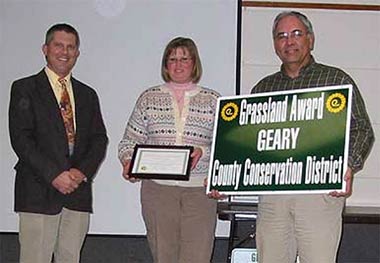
(48, 97)
(78, 108)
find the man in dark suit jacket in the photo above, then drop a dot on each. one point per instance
(53, 195)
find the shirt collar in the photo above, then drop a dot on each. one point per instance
(53, 77)
(303, 70)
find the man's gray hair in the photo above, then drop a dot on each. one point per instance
(299, 15)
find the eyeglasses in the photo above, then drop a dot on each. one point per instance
(183, 60)
(296, 34)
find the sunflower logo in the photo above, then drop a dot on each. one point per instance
(229, 111)
(336, 102)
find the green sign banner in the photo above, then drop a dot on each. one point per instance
(292, 141)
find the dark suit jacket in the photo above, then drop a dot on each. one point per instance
(38, 137)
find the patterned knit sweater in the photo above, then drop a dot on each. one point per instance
(156, 119)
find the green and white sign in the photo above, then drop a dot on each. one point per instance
(292, 141)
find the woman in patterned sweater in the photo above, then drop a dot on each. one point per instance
(180, 219)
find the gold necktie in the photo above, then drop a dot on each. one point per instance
(67, 114)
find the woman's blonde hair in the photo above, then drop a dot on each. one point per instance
(185, 43)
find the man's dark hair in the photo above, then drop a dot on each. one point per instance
(61, 27)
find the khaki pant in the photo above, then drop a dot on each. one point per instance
(180, 222)
(307, 225)
(41, 236)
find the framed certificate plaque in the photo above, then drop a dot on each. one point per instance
(164, 162)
